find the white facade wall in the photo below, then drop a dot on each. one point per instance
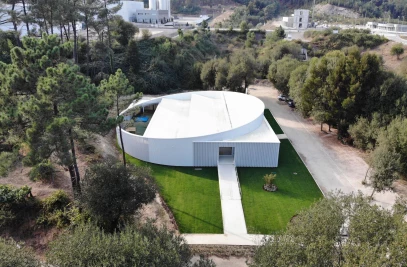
(162, 4)
(288, 21)
(246, 154)
(128, 8)
(152, 4)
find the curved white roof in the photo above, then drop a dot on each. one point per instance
(200, 113)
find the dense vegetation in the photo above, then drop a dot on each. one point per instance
(340, 230)
(56, 91)
(255, 13)
(367, 8)
(86, 245)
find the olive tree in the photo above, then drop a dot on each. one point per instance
(111, 192)
(397, 50)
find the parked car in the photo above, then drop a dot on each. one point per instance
(282, 97)
(291, 104)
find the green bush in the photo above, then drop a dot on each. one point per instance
(42, 171)
(14, 203)
(6, 216)
(7, 159)
(87, 245)
(11, 195)
(57, 201)
(12, 254)
(55, 210)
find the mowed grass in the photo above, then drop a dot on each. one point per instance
(192, 195)
(269, 212)
(273, 123)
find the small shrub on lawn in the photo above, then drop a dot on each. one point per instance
(269, 178)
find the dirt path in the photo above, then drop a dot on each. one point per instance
(334, 166)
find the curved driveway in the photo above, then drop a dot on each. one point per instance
(334, 166)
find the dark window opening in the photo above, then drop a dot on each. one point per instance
(226, 151)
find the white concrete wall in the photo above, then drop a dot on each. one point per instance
(128, 8)
(152, 4)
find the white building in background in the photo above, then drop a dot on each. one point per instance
(301, 17)
(158, 12)
(196, 128)
(288, 21)
(298, 20)
(390, 27)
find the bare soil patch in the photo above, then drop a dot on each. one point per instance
(19, 177)
(272, 24)
(222, 17)
(331, 10)
(156, 213)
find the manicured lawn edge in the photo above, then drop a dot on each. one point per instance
(192, 195)
(273, 123)
(266, 212)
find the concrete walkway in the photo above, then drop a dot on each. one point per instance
(234, 224)
(232, 209)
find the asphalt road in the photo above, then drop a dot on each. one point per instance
(334, 166)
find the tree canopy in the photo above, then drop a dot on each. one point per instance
(337, 231)
(111, 192)
(145, 246)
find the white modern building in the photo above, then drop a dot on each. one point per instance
(197, 128)
(390, 27)
(158, 12)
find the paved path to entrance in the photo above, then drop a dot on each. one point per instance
(231, 201)
(234, 224)
(334, 166)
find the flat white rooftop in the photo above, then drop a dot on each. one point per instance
(262, 134)
(202, 115)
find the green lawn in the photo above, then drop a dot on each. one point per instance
(193, 196)
(274, 125)
(266, 212)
